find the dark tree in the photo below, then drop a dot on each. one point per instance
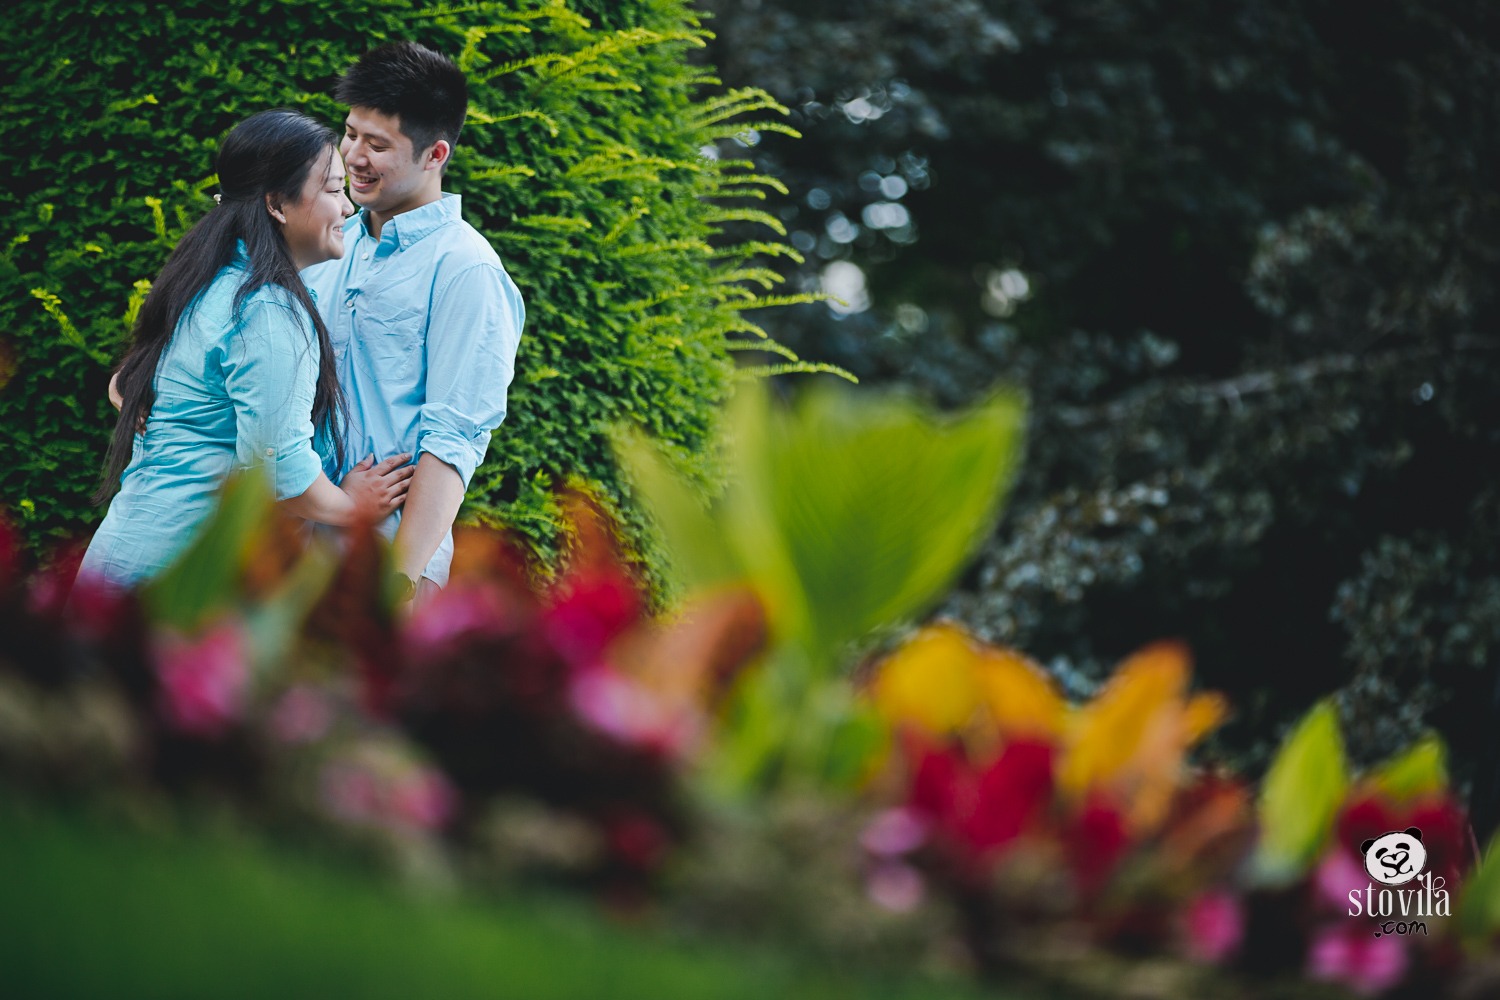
(1242, 256)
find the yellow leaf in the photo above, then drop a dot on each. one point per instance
(929, 681)
(1204, 714)
(1019, 694)
(1110, 730)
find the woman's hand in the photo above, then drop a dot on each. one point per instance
(376, 490)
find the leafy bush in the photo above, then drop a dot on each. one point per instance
(582, 161)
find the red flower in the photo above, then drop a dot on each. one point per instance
(588, 611)
(1442, 822)
(1096, 840)
(984, 811)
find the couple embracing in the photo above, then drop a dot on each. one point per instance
(362, 355)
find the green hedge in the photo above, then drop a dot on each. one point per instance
(582, 161)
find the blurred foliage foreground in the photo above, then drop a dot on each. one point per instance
(773, 762)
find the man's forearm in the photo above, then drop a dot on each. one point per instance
(437, 491)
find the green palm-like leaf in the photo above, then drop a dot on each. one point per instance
(1421, 769)
(1301, 795)
(205, 578)
(1478, 911)
(860, 509)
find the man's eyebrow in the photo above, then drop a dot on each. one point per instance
(370, 134)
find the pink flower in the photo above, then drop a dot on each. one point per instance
(630, 713)
(1336, 875)
(424, 800)
(301, 716)
(894, 832)
(456, 612)
(1213, 926)
(895, 886)
(1352, 955)
(203, 681)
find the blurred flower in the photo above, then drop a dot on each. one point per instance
(895, 832)
(301, 715)
(1338, 873)
(1132, 738)
(204, 680)
(895, 886)
(984, 810)
(1351, 955)
(635, 839)
(424, 799)
(1096, 841)
(1444, 827)
(656, 685)
(1212, 926)
(380, 786)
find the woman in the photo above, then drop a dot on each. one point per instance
(231, 365)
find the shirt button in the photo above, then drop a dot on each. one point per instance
(364, 256)
(270, 452)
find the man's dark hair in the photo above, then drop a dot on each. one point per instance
(424, 90)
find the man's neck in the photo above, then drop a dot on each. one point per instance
(375, 221)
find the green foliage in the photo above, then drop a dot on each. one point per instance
(582, 162)
(219, 915)
(1301, 796)
(847, 513)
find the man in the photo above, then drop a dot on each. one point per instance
(423, 318)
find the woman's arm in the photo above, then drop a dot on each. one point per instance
(368, 494)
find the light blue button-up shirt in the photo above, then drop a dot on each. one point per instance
(425, 324)
(234, 388)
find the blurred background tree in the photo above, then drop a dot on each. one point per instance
(1241, 256)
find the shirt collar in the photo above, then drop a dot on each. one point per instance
(409, 227)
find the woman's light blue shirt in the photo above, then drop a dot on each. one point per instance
(234, 387)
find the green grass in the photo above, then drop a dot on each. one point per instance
(88, 910)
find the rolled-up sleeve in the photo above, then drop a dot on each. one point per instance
(472, 338)
(270, 364)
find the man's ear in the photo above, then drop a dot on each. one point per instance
(273, 206)
(437, 156)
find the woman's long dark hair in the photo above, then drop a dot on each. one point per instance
(269, 153)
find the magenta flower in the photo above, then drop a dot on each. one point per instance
(1213, 925)
(302, 715)
(204, 681)
(620, 708)
(1352, 955)
(424, 800)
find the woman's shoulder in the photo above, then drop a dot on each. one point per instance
(274, 307)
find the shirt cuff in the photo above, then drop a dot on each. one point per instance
(464, 454)
(293, 471)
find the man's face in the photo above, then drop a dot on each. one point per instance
(384, 174)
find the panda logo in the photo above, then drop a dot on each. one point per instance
(1395, 858)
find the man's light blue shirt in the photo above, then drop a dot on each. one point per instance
(425, 324)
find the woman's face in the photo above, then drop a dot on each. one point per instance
(314, 228)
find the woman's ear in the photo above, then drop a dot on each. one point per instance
(274, 207)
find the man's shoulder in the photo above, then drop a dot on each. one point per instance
(460, 245)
